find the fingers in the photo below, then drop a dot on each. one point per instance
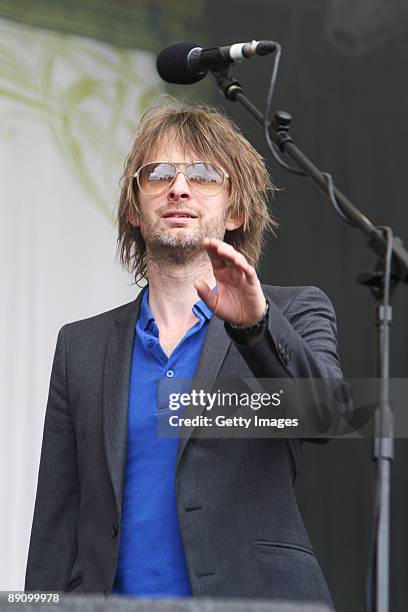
(217, 261)
(224, 255)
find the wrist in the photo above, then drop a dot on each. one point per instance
(254, 327)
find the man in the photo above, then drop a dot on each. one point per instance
(120, 509)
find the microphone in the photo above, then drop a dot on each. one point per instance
(185, 63)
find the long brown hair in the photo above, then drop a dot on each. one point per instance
(206, 131)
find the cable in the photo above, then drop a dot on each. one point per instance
(333, 199)
(273, 148)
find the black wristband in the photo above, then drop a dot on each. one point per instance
(247, 330)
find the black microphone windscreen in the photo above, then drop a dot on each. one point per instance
(172, 64)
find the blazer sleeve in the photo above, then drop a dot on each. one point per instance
(299, 342)
(53, 536)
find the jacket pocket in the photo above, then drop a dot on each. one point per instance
(75, 582)
(269, 547)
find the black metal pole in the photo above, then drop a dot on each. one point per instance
(383, 454)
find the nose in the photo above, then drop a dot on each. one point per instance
(179, 189)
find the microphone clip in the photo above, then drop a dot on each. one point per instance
(229, 86)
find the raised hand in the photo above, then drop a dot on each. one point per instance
(239, 298)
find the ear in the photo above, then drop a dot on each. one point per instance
(234, 222)
(133, 218)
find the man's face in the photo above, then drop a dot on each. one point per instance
(178, 239)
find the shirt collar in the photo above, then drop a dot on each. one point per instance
(201, 310)
(146, 319)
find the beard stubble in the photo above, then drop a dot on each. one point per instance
(180, 247)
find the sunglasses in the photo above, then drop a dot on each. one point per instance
(155, 178)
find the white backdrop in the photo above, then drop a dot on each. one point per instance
(68, 110)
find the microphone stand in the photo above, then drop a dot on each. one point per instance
(392, 267)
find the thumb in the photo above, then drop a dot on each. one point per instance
(204, 293)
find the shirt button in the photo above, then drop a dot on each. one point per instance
(169, 373)
(150, 343)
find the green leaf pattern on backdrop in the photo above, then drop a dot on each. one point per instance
(89, 96)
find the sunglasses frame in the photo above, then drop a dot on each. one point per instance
(186, 165)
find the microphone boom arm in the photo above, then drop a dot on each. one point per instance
(279, 132)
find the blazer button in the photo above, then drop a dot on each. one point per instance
(115, 529)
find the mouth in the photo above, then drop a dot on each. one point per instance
(179, 216)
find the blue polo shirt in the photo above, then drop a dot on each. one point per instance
(151, 557)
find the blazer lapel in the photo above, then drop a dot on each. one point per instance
(211, 359)
(116, 378)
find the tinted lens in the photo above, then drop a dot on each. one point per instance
(156, 177)
(207, 179)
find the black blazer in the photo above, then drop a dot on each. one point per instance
(241, 529)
